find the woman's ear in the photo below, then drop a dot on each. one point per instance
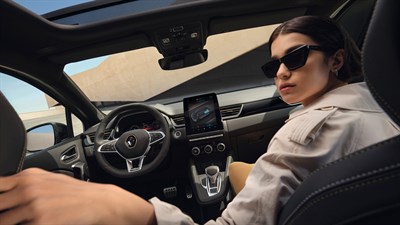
(337, 60)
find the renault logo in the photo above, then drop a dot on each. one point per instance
(130, 141)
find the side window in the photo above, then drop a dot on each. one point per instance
(37, 111)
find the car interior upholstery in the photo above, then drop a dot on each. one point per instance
(12, 139)
(361, 188)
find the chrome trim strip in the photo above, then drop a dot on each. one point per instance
(205, 138)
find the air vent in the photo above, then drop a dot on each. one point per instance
(179, 121)
(232, 111)
(90, 137)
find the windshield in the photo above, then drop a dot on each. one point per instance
(233, 64)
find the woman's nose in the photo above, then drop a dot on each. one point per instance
(283, 73)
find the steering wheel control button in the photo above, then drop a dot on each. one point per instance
(156, 136)
(221, 147)
(195, 151)
(107, 148)
(208, 149)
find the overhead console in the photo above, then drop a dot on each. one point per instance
(210, 158)
(181, 45)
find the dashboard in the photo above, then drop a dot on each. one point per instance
(248, 121)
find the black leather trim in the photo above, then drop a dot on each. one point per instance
(354, 180)
(12, 139)
(381, 54)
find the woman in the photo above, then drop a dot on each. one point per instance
(312, 61)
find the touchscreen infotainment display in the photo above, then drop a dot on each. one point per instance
(202, 114)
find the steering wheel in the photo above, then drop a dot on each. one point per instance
(133, 145)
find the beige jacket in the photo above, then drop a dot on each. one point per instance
(342, 121)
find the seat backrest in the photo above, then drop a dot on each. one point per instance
(362, 188)
(12, 139)
(355, 18)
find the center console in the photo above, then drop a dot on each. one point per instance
(207, 144)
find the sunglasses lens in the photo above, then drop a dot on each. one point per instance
(271, 68)
(292, 61)
(296, 59)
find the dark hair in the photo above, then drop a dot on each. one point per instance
(327, 33)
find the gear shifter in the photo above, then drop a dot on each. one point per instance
(212, 173)
(213, 183)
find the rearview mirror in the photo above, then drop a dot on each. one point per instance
(183, 60)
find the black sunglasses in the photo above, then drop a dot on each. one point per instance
(293, 60)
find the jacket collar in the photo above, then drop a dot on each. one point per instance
(354, 96)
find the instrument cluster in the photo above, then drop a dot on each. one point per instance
(135, 120)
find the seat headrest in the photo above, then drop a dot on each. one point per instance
(12, 139)
(381, 57)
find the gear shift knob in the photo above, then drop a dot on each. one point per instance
(212, 173)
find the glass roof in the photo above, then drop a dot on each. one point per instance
(41, 7)
(68, 12)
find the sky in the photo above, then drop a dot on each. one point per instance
(23, 97)
(44, 6)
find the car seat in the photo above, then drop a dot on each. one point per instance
(12, 139)
(361, 188)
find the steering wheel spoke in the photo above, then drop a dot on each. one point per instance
(134, 165)
(108, 147)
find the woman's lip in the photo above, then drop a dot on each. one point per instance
(286, 87)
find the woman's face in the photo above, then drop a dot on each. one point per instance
(308, 82)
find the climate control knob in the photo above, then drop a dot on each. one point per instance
(208, 149)
(221, 147)
(195, 151)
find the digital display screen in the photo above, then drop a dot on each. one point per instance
(202, 114)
